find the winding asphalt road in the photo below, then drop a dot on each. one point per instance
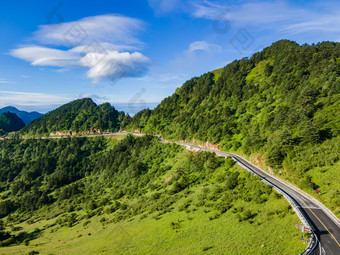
(325, 227)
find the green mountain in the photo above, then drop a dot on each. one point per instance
(10, 122)
(27, 117)
(77, 116)
(282, 105)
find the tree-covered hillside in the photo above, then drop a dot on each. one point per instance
(283, 103)
(27, 117)
(135, 196)
(10, 122)
(77, 116)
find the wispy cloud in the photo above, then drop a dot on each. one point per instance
(43, 56)
(258, 12)
(111, 29)
(164, 6)
(15, 98)
(279, 15)
(210, 10)
(204, 46)
(322, 23)
(98, 99)
(5, 81)
(106, 45)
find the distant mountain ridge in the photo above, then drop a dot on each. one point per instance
(77, 116)
(27, 117)
(10, 122)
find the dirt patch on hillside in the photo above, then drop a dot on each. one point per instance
(168, 179)
(206, 145)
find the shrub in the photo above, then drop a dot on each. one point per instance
(33, 253)
(86, 223)
(205, 248)
(26, 241)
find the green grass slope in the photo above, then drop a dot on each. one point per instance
(282, 103)
(135, 196)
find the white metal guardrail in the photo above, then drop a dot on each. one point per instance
(329, 213)
(294, 204)
(314, 240)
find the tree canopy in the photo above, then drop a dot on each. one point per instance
(78, 116)
(10, 122)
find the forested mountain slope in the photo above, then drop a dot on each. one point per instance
(78, 116)
(283, 103)
(10, 122)
(135, 196)
(27, 117)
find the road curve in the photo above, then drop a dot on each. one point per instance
(326, 229)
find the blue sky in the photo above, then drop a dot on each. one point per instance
(134, 53)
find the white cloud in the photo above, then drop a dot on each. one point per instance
(204, 46)
(96, 98)
(30, 99)
(258, 12)
(209, 10)
(111, 65)
(278, 15)
(105, 45)
(95, 46)
(103, 28)
(324, 24)
(115, 65)
(42, 56)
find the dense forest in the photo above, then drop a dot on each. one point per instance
(10, 122)
(77, 116)
(69, 181)
(282, 103)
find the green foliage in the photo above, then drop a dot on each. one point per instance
(27, 117)
(78, 116)
(77, 185)
(91, 174)
(26, 242)
(281, 89)
(281, 103)
(33, 252)
(10, 122)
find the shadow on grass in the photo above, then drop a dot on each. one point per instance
(22, 237)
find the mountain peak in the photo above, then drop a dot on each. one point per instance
(79, 115)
